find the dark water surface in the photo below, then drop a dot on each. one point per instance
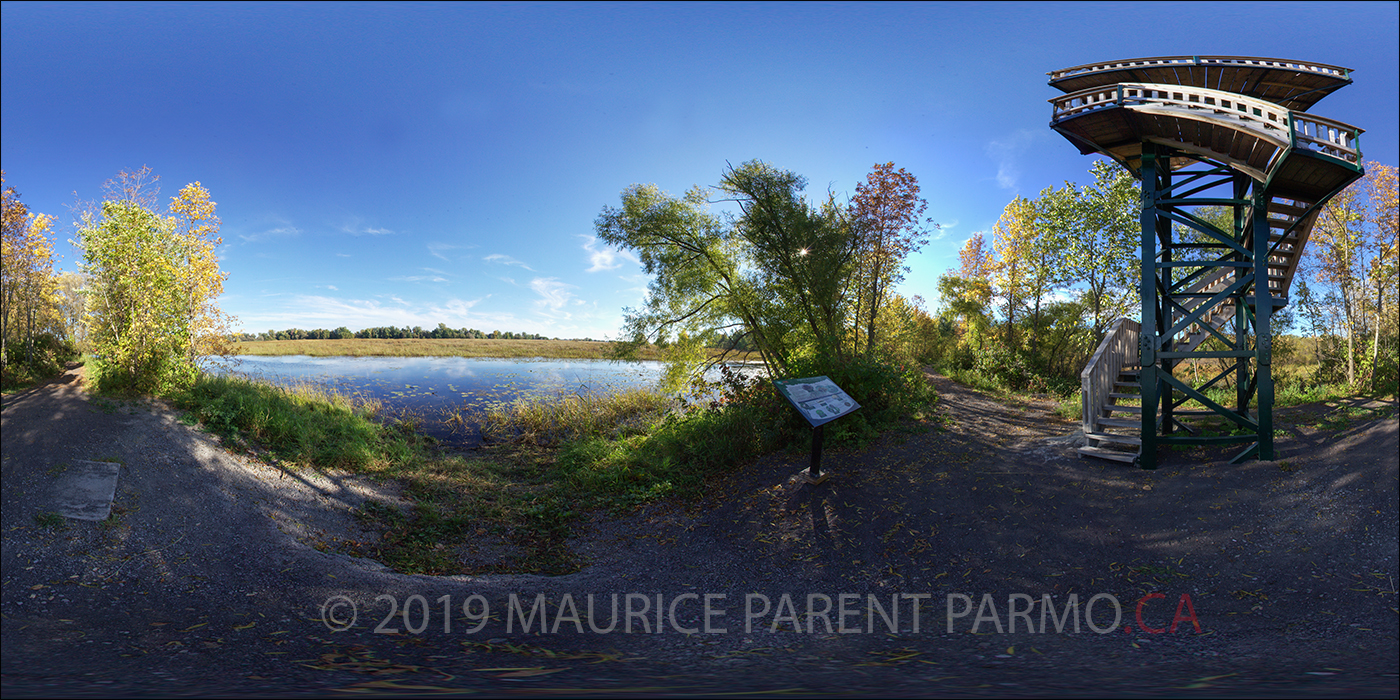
(429, 387)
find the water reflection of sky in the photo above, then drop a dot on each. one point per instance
(430, 386)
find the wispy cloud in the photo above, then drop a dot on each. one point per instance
(943, 230)
(417, 278)
(319, 311)
(603, 258)
(282, 229)
(506, 260)
(554, 294)
(439, 250)
(1007, 152)
(354, 227)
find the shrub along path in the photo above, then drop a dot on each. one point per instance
(208, 580)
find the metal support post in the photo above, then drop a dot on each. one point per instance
(1147, 339)
(814, 468)
(1242, 220)
(1263, 312)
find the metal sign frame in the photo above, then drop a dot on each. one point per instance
(819, 401)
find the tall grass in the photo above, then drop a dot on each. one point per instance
(302, 423)
(551, 421)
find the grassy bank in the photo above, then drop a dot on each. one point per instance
(550, 461)
(428, 347)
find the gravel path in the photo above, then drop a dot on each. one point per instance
(210, 579)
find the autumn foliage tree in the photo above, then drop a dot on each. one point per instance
(154, 281)
(1351, 257)
(29, 309)
(890, 225)
(1058, 268)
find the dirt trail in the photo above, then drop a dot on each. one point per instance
(208, 580)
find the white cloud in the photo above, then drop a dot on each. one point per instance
(417, 278)
(555, 294)
(316, 311)
(604, 258)
(355, 228)
(286, 229)
(943, 230)
(1006, 153)
(505, 260)
(369, 231)
(438, 249)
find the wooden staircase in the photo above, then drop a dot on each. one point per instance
(1117, 437)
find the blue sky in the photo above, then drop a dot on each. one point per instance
(410, 164)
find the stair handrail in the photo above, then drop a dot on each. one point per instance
(1097, 379)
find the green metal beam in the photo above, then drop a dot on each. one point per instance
(1147, 289)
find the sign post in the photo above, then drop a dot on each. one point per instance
(819, 401)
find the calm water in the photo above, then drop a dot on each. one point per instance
(429, 386)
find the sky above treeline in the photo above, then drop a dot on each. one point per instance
(413, 164)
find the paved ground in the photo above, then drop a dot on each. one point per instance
(207, 578)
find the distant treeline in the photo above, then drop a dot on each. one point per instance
(341, 333)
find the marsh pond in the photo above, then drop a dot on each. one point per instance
(429, 388)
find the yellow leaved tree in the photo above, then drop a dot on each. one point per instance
(28, 286)
(152, 312)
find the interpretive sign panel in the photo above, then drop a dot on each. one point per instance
(818, 399)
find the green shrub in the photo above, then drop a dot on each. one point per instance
(50, 354)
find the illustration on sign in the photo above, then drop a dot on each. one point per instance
(818, 399)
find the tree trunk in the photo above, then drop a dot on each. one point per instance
(1376, 338)
(1351, 335)
(29, 339)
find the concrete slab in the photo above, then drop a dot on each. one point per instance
(85, 490)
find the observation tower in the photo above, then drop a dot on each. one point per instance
(1221, 131)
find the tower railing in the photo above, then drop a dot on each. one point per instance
(1193, 61)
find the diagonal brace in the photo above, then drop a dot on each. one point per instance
(1241, 420)
(1195, 316)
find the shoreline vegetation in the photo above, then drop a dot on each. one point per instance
(547, 461)
(456, 347)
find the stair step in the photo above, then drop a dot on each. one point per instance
(1124, 396)
(1135, 384)
(1177, 412)
(1110, 437)
(1121, 422)
(1114, 455)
